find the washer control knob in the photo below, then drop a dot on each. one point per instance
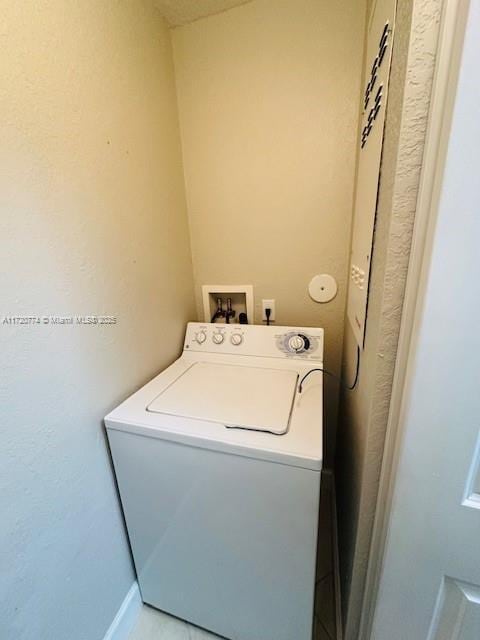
(236, 339)
(201, 337)
(218, 338)
(296, 343)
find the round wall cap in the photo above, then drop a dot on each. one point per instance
(323, 288)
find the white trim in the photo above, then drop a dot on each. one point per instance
(247, 289)
(443, 95)
(126, 616)
(471, 497)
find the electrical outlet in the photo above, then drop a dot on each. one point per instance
(268, 304)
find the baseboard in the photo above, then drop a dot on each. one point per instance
(126, 616)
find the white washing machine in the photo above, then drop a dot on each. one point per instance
(218, 463)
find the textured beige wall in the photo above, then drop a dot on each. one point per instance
(93, 221)
(364, 413)
(268, 99)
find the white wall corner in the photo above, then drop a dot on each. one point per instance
(126, 616)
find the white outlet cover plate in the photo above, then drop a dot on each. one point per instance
(323, 288)
(268, 304)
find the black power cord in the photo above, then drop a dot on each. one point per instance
(350, 387)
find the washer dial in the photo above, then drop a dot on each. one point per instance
(296, 343)
(218, 338)
(200, 337)
(236, 339)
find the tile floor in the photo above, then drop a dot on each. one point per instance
(155, 625)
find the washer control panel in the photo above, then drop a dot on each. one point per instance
(255, 340)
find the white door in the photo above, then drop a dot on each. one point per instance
(430, 582)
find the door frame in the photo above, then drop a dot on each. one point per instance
(449, 51)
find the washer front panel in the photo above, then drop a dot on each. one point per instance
(208, 527)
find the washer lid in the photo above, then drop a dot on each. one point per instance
(237, 396)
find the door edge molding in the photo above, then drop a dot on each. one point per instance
(449, 51)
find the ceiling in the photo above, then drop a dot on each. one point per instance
(178, 12)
